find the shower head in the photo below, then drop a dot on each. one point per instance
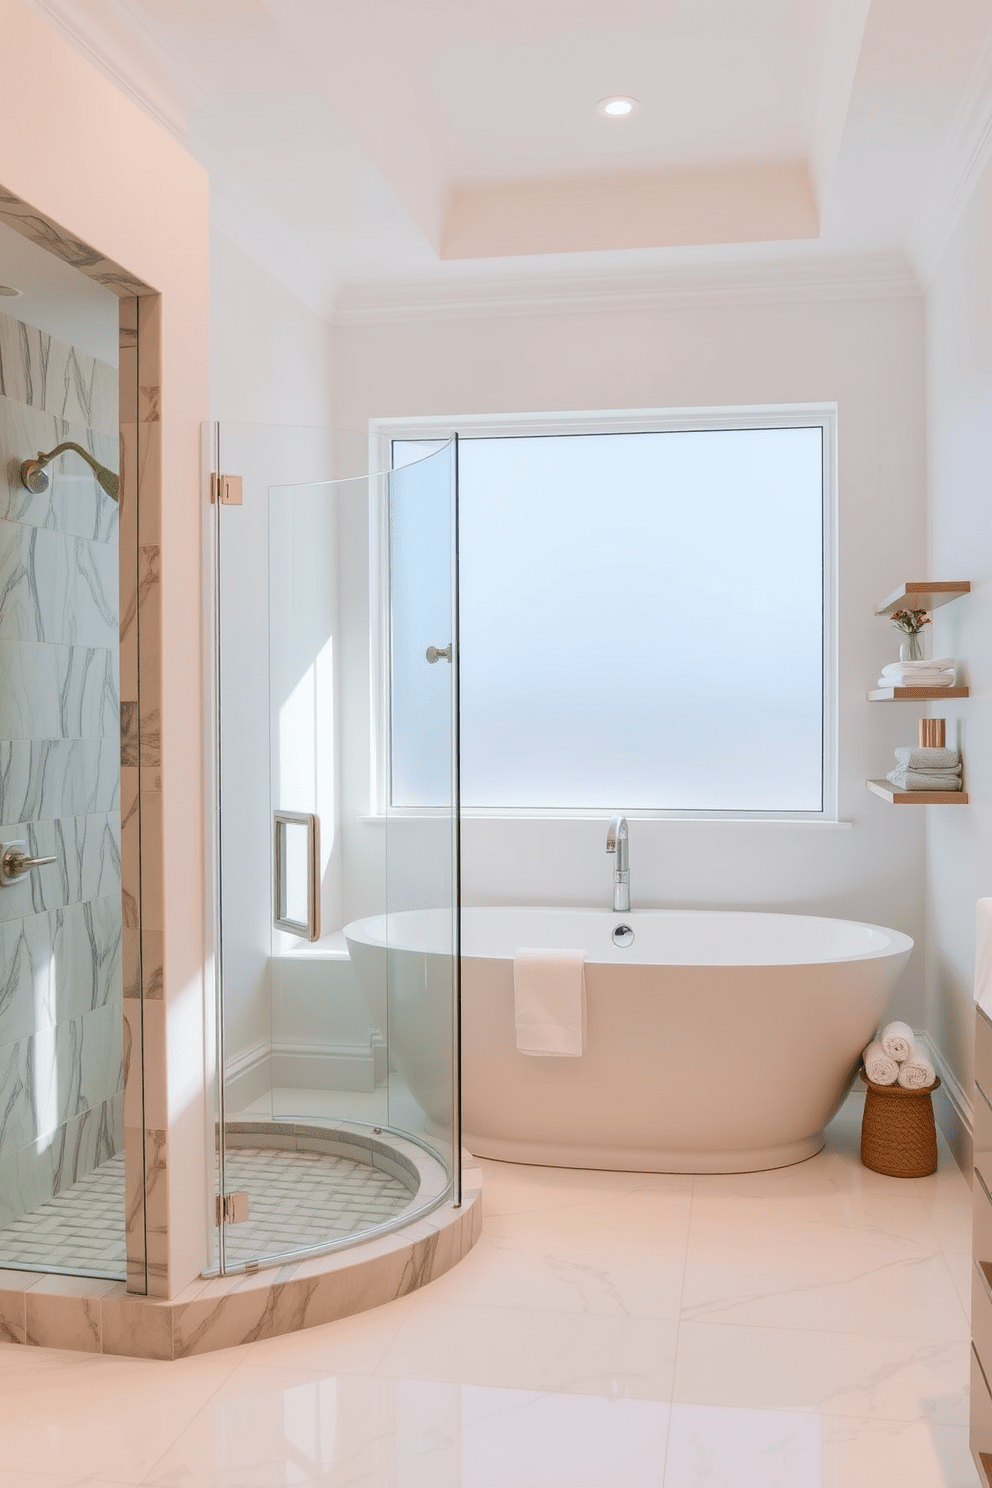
(35, 478)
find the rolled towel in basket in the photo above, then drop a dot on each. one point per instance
(880, 1067)
(916, 1072)
(897, 1039)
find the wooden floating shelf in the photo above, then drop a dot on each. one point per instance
(922, 594)
(909, 694)
(897, 797)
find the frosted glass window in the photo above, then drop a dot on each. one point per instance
(641, 620)
(420, 613)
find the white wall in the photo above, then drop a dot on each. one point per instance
(272, 392)
(867, 355)
(959, 842)
(270, 354)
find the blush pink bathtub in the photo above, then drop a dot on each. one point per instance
(716, 1041)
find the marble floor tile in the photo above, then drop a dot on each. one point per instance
(839, 1374)
(376, 1433)
(111, 1416)
(621, 1259)
(804, 1328)
(831, 1289)
(574, 1353)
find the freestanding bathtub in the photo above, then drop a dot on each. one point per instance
(716, 1041)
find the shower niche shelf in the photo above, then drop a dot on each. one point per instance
(897, 797)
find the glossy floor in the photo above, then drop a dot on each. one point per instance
(805, 1328)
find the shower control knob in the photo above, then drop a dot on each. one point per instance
(439, 653)
(14, 863)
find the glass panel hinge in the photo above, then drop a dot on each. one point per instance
(232, 1208)
(227, 489)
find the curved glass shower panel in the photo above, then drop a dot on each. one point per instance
(315, 1146)
(420, 781)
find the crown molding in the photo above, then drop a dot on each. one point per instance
(966, 154)
(118, 45)
(875, 277)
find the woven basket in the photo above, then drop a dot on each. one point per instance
(898, 1134)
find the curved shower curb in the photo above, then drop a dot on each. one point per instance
(101, 1317)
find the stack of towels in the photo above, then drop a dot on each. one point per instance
(926, 769)
(895, 1058)
(939, 673)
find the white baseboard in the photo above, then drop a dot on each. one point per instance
(248, 1076)
(304, 1066)
(325, 1066)
(953, 1110)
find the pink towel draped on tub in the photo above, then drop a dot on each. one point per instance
(549, 1002)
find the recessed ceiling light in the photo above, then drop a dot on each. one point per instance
(8, 289)
(617, 106)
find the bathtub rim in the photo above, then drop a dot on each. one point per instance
(899, 943)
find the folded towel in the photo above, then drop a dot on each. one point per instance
(897, 1039)
(929, 780)
(916, 1072)
(983, 955)
(938, 664)
(927, 759)
(880, 1067)
(916, 679)
(549, 1001)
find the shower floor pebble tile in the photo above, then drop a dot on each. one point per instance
(610, 1330)
(296, 1199)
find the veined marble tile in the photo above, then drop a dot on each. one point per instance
(59, 1073)
(55, 691)
(56, 965)
(57, 777)
(87, 863)
(74, 504)
(37, 1172)
(58, 589)
(49, 374)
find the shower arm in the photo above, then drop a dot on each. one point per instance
(35, 478)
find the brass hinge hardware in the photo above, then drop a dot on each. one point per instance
(232, 1208)
(227, 489)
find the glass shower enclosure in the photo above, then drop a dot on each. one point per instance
(333, 659)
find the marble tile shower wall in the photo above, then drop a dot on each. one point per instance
(61, 1025)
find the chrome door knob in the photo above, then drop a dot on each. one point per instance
(14, 863)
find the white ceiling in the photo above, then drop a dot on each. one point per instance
(354, 143)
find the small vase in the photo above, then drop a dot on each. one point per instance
(912, 647)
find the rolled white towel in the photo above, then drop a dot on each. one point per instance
(926, 758)
(897, 1039)
(916, 1072)
(880, 1067)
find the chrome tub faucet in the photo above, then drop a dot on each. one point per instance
(616, 842)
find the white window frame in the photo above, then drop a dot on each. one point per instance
(383, 431)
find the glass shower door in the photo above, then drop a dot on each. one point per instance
(421, 786)
(337, 1081)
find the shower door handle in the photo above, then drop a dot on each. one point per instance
(14, 863)
(439, 653)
